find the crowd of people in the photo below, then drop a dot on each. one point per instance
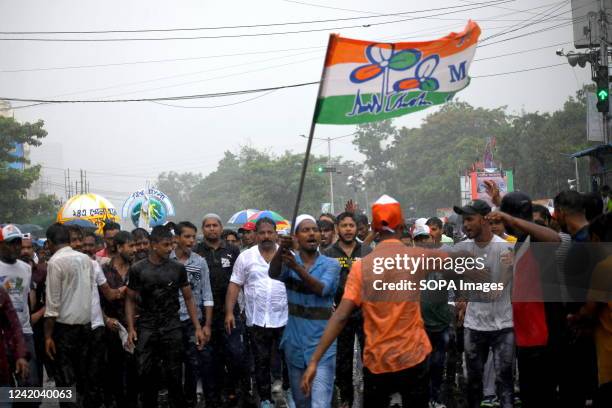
(256, 318)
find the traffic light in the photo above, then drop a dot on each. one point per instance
(320, 169)
(603, 90)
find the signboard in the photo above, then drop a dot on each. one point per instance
(158, 207)
(504, 181)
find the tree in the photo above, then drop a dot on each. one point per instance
(15, 182)
(250, 179)
(421, 166)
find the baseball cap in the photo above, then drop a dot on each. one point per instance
(475, 207)
(9, 232)
(386, 214)
(247, 226)
(420, 230)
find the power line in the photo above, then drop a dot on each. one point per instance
(158, 60)
(223, 55)
(526, 34)
(188, 74)
(519, 71)
(167, 98)
(216, 106)
(522, 52)
(303, 3)
(221, 94)
(211, 78)
(546, 16)
(161, 30)
(247, 35)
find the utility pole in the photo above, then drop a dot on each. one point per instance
(331, 176)
(603, 52)
(330, 168)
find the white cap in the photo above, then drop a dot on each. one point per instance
(420, 230)
(301, 218)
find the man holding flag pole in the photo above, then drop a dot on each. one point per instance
(363, 82)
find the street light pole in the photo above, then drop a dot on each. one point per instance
(330, 166)
(603, 49)
(331, 176)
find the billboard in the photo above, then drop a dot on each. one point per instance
(503, 179)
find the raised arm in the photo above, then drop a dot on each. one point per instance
(540, 233)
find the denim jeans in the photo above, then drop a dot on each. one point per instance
(195, 366)
(322, 385)
(345, 354)
(437, 359)
(477, 345)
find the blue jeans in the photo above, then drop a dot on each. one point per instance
(437, 359)
(477, 345)
(195, 366)
(322, 386)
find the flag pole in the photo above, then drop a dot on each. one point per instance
(310, 136)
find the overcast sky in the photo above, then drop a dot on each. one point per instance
(139, 140)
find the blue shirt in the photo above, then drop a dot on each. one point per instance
(199, 280)
(308, 312)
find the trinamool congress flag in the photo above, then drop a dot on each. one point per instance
(365, 81)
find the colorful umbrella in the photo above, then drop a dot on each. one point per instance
(268, 214)
(242, 216)
(89, 207)
(281, 223)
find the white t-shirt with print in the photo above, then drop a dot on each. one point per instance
(16, 279)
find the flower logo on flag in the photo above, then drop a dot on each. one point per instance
(383, 57)
(423, 79)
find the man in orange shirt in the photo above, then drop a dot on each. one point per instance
(397, 346)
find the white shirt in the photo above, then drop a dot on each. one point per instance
(495, 315)
(96, 312)
(265, 298)
(16, 278)
(70, 278)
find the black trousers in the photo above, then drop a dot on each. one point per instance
(344, 357)
(412, 384)
(96, 355)
(164, 349)
(120, 373)
(71, 344)
(264, 342)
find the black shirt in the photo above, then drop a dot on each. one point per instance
(158, 286)
(220, 264)
(113, 308)
(335, 251)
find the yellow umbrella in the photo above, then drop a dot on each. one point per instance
(90, 207)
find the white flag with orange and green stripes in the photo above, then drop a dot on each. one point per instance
(366, 81)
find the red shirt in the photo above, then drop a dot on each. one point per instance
(11, 336)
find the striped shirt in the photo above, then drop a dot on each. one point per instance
(199, 280)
